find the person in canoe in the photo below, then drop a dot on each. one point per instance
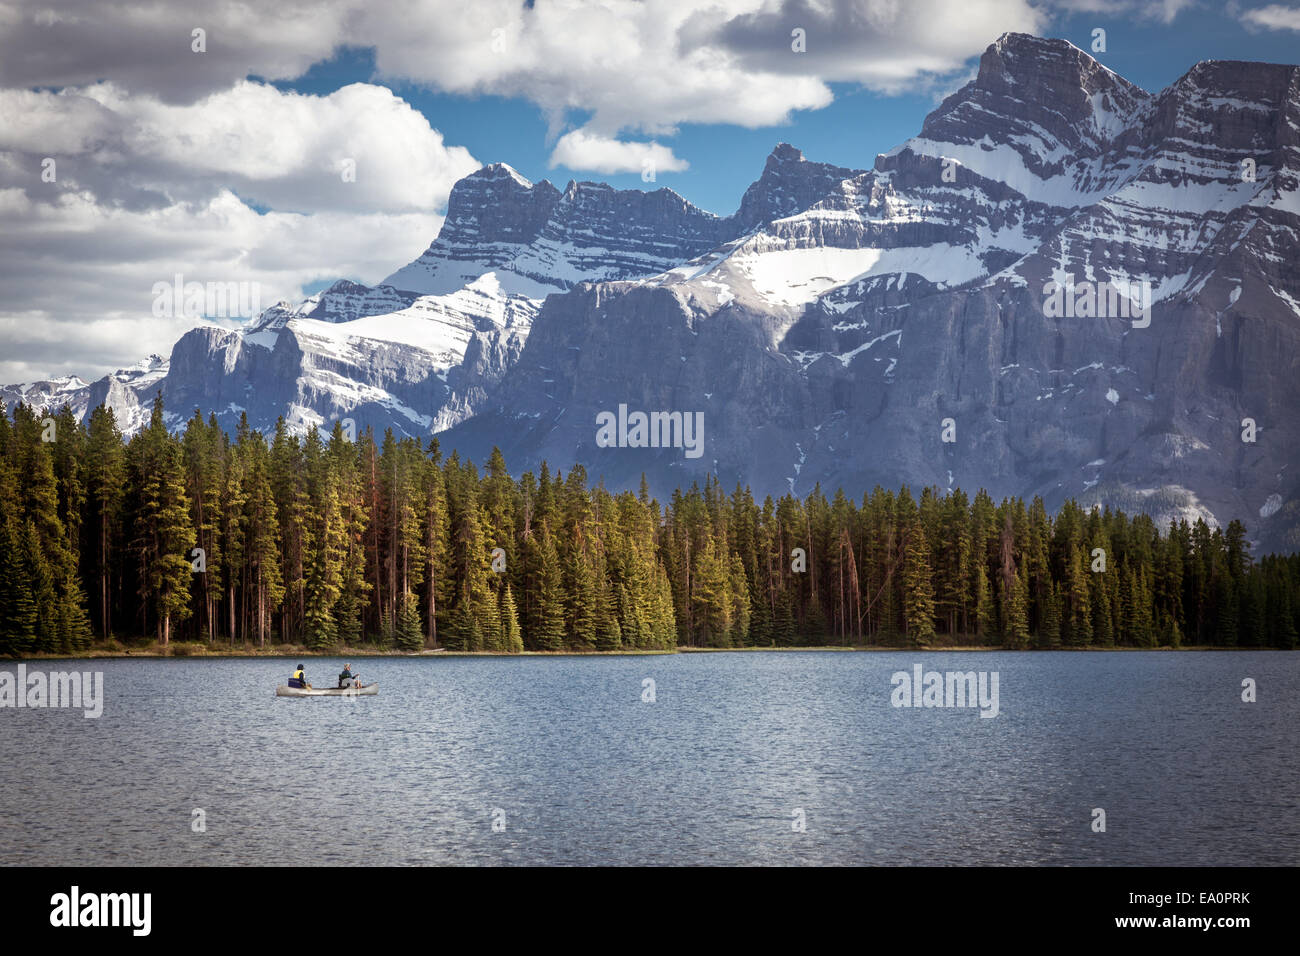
(347, 678)
(299, 679)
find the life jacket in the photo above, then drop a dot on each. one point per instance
(298, 676)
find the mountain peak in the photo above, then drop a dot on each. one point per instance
(789, 184)
(1043, 99)
(785, 153)
(1266, 84)
(1023, 60)
(500, 171)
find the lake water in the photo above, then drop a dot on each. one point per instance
(710, 772)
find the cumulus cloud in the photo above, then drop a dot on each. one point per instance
(278, 149)
(148, 47)
(638, 65)
(245, 185)
(626, 62)
(1275, 16)
(78, 276)
(885, 45)
(585, 149)
(1165, 11)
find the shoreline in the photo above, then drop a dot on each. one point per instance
(155, 652)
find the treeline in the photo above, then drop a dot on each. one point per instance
(325, 542)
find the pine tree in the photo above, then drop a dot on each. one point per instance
(1049, 633)
(410, 631)
(609, 635)
(262, 537)
(1103, 633)
(711, 602)
(36, 607)
(325, 551)
(918, 589)
(1077, 596)
(21, 579)
(1014, 610)
(163, 536)
(985, 620)
(105, 479)
(548, 628)
(346, 543)
(288, 478)
(514, 643)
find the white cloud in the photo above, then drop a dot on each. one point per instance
(627, 62)
(145, 190)
(78, 276)
(1166, 11)
(637, 65)
(278, 149)
(147, 46)
(585, 149)
(1275, 16)
(885, 45)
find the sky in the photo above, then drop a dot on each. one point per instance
(295, 143)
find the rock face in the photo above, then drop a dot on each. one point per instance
(884, 311)
(906, 323)
(539, 240)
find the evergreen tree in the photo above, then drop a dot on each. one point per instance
(548, 625)
(918, 588)
(1049, 632)
(410, 632)
(514, 643)
(164, 535)
(325, 540)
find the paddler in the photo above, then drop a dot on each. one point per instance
(299, 679)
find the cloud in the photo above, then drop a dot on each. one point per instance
(147, 47)
(277, 149)
(584, 149)
(885, 45)
(635, 65)
(242, 186)
(1275, 16)
(624, 62)
(78, 276)
(1165, 11)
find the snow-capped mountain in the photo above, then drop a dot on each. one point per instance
(850, 327)
(123, 391)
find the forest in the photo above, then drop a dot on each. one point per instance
(323, 543)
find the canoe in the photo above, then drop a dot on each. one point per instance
(369, 690)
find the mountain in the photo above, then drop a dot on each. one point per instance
(1063, 286)
(127, 391)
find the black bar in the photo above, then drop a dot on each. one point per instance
(924, 905)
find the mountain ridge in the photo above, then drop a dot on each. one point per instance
(830, 325)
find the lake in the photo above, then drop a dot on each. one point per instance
(735, 752)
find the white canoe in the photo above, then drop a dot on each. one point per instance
(285, 691)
